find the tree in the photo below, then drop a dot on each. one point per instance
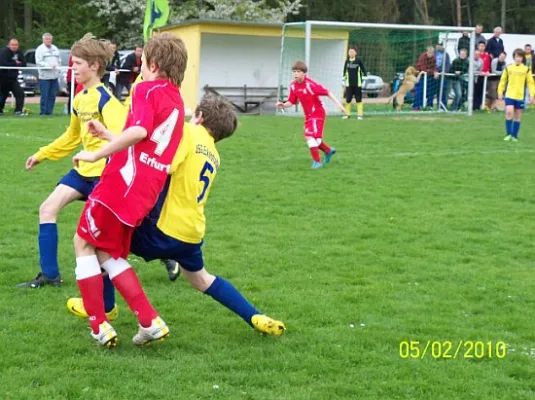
(123, 19)
(241, 10)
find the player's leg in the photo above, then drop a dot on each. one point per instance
(509, 114)
(348, 97)
(89, 280)
(192, 265)
(517, 118)
(124, 278)
(360, 104)
(68, 190)
(312, 144)
(319, 125)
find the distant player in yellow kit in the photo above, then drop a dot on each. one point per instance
(90, 57)
(516, 78)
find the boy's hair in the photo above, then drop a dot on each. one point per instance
(93, 50)
(300, 66)
(168, 52)
(218, 116)
(353, 47)
(521, 53)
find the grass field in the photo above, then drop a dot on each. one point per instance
(419, 230)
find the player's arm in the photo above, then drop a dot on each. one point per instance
(59, 148)
(292, 99)
(126, 139)
(337, 102)
(503, 83)
(363, 68)
(344, 75)
(320, 90)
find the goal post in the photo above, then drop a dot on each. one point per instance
(386, 50)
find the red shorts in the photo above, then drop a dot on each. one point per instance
(314, 127)
(102, 229)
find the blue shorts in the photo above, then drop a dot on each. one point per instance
(79, 183)
(150, 243)
(517, 104)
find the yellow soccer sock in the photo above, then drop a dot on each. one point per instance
(360, 109)
(348, 108)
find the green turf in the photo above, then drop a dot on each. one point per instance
(417, 230)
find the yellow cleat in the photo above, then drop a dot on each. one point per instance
(267, 325)
(76, 306)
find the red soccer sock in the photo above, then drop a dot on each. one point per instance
(130, 288)
(91, 289)
(315, 154)
(323, 147)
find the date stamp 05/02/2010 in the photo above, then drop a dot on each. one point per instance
(448, 349)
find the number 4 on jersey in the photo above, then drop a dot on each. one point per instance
(162, 134)
(205, 179)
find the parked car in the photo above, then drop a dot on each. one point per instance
(27, 82)
(372, 85)
(64, 55)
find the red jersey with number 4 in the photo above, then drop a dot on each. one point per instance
(308, 93)
(133, 178)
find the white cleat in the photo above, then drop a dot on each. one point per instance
(360, 118)
(156, 332)
(106, 336)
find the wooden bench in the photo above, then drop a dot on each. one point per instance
(247, 99)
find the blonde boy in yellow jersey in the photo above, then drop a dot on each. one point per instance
(175, 228)
(90, 57)
(515, 79)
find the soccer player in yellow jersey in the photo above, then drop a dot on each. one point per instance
(175, 228)
(90, 57)
(515, 79)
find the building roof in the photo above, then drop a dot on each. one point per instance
(199, 21)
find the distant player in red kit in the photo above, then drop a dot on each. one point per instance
(308, 92)
(129, 187)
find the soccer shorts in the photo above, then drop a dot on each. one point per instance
(150, 243)
(353, 91)
(80, 183)
(101, 228)
(314, 127)
(517, 104)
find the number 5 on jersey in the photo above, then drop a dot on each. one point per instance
(205, 179)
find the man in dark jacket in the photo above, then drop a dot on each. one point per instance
(132, 63)
(11, 56)
(495, 44)
(464, 43)
(113, 65)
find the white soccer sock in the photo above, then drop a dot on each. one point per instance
(86, 267)
(115, 267)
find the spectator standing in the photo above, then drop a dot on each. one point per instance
(463, 43)
(478, 81)
(47, 56)
(479, 35)
(495, 44)
(11, 56)
(132, 63)
(443, 65)
(459, 67)
(111, 68)
(427, 62)
(496, 68)
(529, 58)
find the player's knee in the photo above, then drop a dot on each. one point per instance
(200, 280)
(48, 212)
(79, 243)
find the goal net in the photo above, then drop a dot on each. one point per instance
(386, 52)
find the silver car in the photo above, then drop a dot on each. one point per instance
(372, 85)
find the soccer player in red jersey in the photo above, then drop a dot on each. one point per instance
(132, 180)
(308, 92)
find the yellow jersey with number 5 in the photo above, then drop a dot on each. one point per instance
(192, 173)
